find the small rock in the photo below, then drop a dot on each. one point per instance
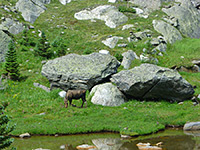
(104, 52)
(190, 126)
(198, 97)
(62, 147)
(25, 135)
(147, 146)
(181, 103)
(122, 45)
(86, 147)
(31, 27)
(155, 42)
(41, 114)
(62, 93)
(112, 41)
(112, 1)
(128, 26)
(196, 62)
(125, 136)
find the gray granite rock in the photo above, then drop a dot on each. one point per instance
(79, 71)
(4, 40)
(188, 18)
(112, 41)
(128, 57)
(107, 13)
(30, 9)
(170, 33)
(107, 95)
(149, 81)
(12, 26)
(191, 126)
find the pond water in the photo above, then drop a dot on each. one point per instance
(172, 139)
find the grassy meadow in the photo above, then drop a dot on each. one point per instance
(37, 112)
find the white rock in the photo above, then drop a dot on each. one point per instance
(112, 1)
(24, 135)
(64, 2)
(111, 42)
(104, 51)
(107, 95)
(86, 146)
(127, 26)
(62, 93)
(107, 13)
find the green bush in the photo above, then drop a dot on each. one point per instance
(42, 47)
(119, 56)
(126, 9)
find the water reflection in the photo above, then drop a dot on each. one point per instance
(171, 139)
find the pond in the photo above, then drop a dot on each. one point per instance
(172, 139)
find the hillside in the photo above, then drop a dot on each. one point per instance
(39, 112)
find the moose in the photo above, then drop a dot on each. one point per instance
(74, 94)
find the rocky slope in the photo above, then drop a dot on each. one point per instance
(118, 27)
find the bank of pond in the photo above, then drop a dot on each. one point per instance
(169, 139)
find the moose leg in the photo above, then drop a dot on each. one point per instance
(83, 101)
(66, 102)
(70, 103)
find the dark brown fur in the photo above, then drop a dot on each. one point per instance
(74, 94)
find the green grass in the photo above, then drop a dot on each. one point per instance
(188, 48)
(133, 117)
(26, 102)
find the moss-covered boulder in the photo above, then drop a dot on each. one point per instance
(188, 18)
(4, 40)
(170, 33)
(150, 5)
(31, 9)
(153, 82)
(79, 71)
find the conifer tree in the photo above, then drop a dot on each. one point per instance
(43, 47)
(25, 39)
(11, 65)
(5, 129)
(59, 47)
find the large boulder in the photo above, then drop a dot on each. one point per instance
(149, 81)
(170, 33)
(150, 5)
(107, 94)
(107, 13)
(4, 40)
(12, 26)
(31, 9)
(188, 18)
(79, 71)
